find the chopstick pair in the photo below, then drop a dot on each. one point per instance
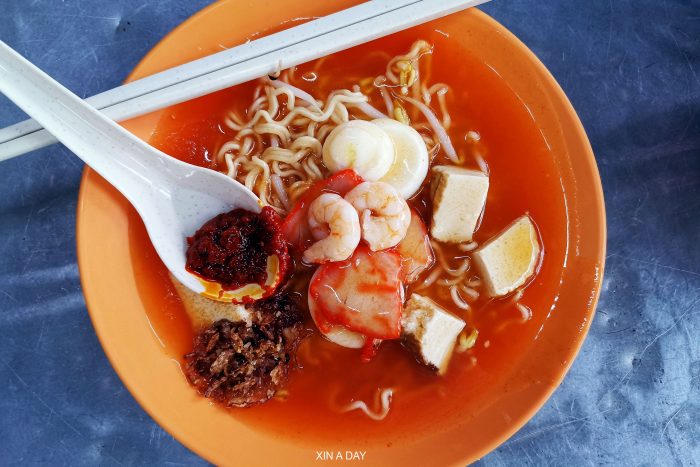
(329, 34)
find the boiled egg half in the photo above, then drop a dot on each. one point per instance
(381, 150)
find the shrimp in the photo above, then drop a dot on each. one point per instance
(384, 214)
(335, 225)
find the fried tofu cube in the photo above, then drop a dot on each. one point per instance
(430, 332)
(459, 196)
(510, 258)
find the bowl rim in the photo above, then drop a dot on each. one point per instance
(599, 240)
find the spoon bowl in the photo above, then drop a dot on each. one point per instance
(172, 197)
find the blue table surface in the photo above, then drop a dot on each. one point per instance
(632, 71)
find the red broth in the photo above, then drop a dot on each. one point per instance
(523, 179)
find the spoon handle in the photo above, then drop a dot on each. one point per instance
(102, 144)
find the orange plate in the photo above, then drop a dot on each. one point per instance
(117, 307)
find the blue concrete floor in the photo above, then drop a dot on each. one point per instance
(631, 69)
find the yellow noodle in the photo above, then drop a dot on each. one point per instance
(457, 299)
(470, 292)
(285, 131)
(385, 396)
(449, 282)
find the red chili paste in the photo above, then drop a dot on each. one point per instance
(232, 248)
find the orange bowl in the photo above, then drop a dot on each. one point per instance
(118, 303)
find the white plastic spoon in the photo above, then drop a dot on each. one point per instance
(172, 197)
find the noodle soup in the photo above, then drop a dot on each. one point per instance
(332, 394)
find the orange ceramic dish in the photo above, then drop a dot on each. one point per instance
(120, 295)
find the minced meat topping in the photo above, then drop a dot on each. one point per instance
(239, 364)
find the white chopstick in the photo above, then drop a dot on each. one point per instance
(339, 31)
(222, 59)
